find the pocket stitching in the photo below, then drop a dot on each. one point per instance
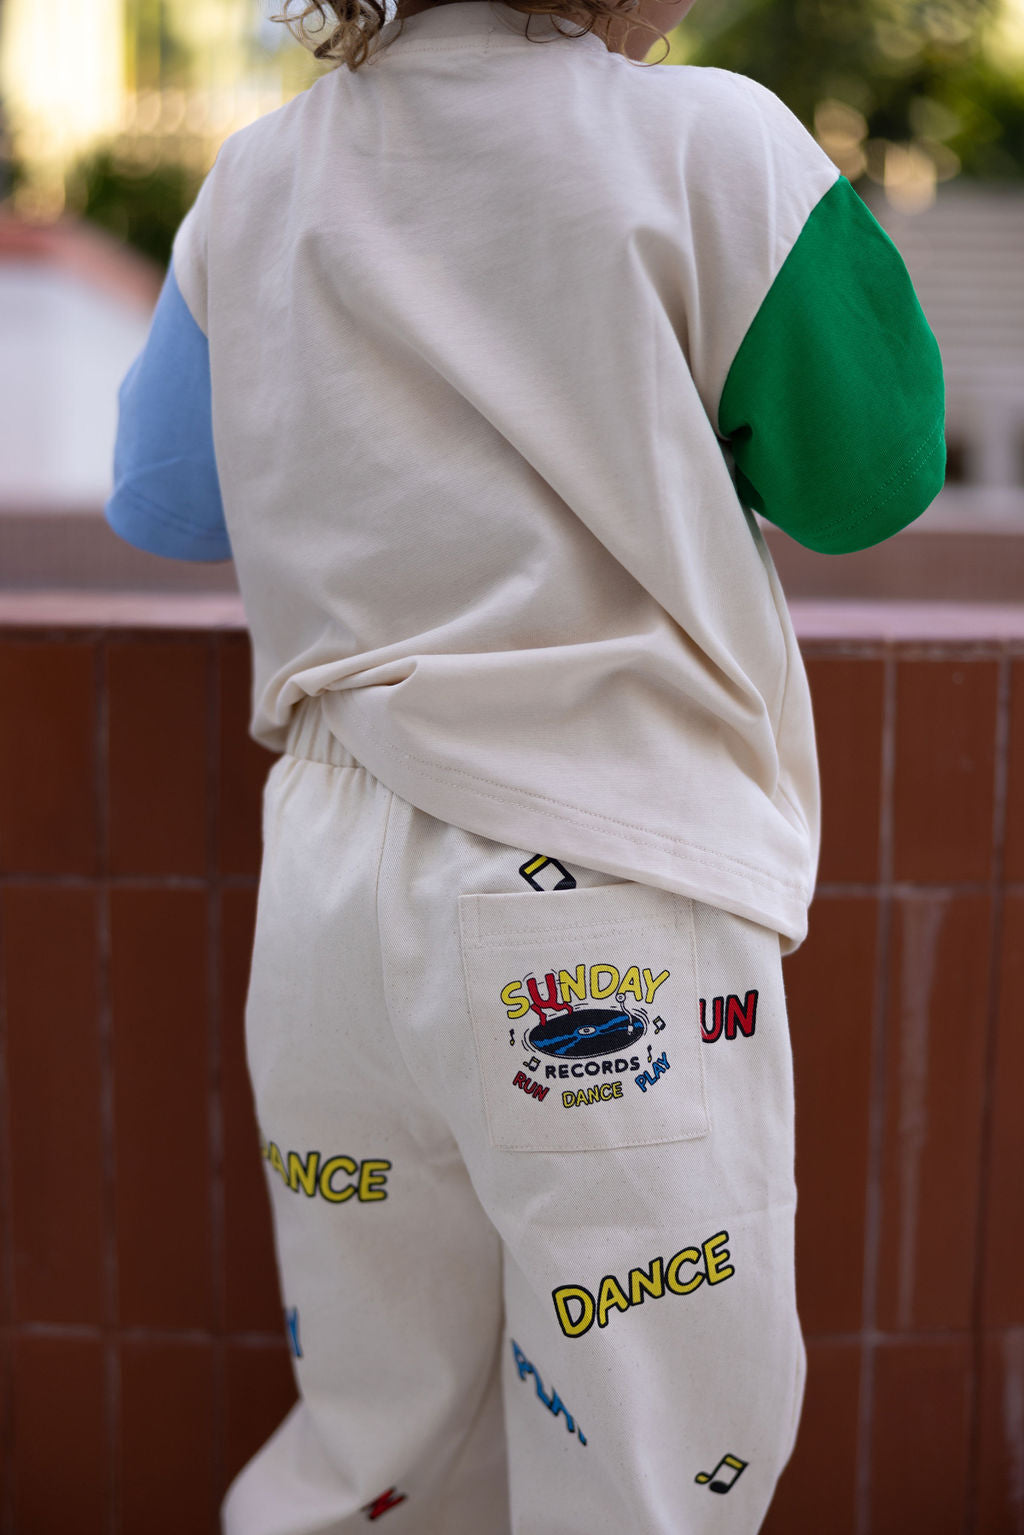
(598, 929)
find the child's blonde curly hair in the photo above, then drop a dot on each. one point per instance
(357, 23)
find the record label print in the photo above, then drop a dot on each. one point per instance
(586, 1031)
(583, 1006)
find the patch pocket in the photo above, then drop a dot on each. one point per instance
(585, 1015)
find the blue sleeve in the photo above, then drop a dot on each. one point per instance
(166, 496)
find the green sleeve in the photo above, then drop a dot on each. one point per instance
(834, 406)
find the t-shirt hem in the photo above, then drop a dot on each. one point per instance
(501, 813)
(914, 490)
(148, 527)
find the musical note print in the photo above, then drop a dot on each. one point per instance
(659, 1024)
(649, 1052)
(532, 1063)
(512, 1036)
(736, 1466)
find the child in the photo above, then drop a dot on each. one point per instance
(476, 358)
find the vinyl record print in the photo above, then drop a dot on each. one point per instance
(587, 1031)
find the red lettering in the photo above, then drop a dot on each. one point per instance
(551, 1001)
(529, 1086)
(382, 1504)
(744, 1016)
(717, 1006)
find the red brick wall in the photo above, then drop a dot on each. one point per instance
(142, 1343)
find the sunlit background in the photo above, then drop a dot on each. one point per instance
(907, 93)
(112, 111)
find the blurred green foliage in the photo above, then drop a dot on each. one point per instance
(914, 68)
(142, 206)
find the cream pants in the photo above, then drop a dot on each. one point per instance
(530, 1160)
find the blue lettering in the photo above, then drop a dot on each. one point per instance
(646, 1080)
(553, 1403)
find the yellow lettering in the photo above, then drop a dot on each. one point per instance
(578, 987)
(607, 1090)
(595, 989)
(561, 1297)
(653, 1282)
(368, 1180)
(653, 982)
(569, 1100)
(616, 1089)
(631, 982)
(327, 1172)
(593, 1094)
(276, 1163)
(715, 1262)
(688, 1255)
(610, 1295)
(508, 996)
(303, 1172)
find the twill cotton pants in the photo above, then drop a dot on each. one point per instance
(528, 1136)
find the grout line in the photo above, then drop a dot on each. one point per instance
(216, 1074)
(878, 649)
(7, 1371)
(84, 1332)
(108, 1156)
(872, 646)
(876, 1110)
(185, 1337)
(827, 889)
(141, 881)
(987, 1096)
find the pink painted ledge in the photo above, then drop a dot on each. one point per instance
(813, 619)
(842, 619)
(121, 610)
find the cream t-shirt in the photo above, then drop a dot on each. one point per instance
(477, 361)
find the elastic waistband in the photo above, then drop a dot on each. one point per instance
(309, 737)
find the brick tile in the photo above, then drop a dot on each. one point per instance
(260, 1391)
(935, 1050)
(61, 1480)
(47, 758)
(1003, 1299)
(244, 764)
(167, 1438)
(848, 699)
(937, 1007)
(158, 997)
(821, 1474)
(829, 994)
(945, 763)
(1014, 860)
(920, 1437)
(158, 755)
(999, 1482)
(252, 1295)
(49, 954)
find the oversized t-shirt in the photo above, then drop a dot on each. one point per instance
(478, 361)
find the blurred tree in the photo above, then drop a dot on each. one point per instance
(142, 206)
(916, 71)
(6, 179)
